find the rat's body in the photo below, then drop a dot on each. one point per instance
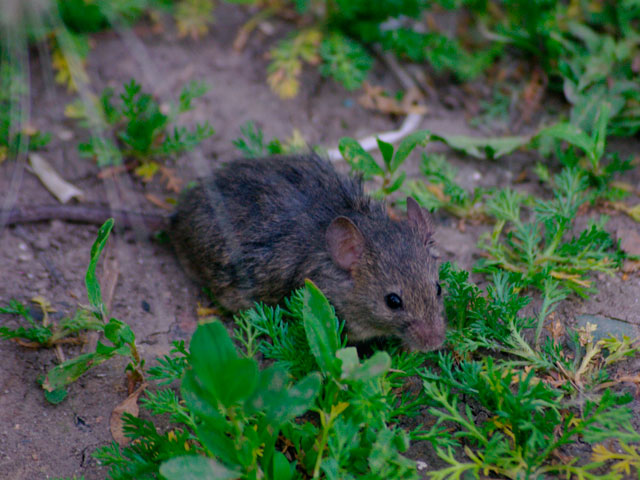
(255, 229)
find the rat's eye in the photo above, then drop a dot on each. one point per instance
(394, 302)
(438, 289)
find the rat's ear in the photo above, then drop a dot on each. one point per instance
(420, 217)
(345, 242)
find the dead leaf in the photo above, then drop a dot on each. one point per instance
(556, 329)
(129, 405)
(157, 201)
(522, 177)
(633, 212)
(60, 188)
(173, 182)
(29, 129)
(631, 266)
(111, 172)
(45, 306)
(375, 98)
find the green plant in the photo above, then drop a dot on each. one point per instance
(529, 404)
(539, 248)
(362, 162)
(287, 58)
(440, 191)
(344, 60)
(593, 145)
(47, 333)
(526, 425)
(252, 145)
(597, 70)
(96, 317)
(145, 134)
(330, 419)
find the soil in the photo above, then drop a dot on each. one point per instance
(152, 293)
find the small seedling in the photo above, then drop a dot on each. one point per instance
(441, 192)
(47, 333)
(145, 135)
(251, 143)
(95, 317)
(390, 176)
(599, 174)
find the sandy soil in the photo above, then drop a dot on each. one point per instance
(153, 294)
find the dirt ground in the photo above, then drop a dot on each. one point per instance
(152, 293)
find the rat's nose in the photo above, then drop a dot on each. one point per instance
(425, 336)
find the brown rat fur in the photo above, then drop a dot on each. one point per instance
(257, 228)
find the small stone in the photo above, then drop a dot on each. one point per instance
(23, 246)
(65, 135)
(41, 285)
(25, 257)
(41, 243)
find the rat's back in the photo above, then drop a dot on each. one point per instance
(249, 230)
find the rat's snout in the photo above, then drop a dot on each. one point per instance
(425, 336)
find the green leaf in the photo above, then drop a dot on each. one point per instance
(321, 327)
(216, 364)
(600, 132)
(196, 467)
(386, 149)
(55, 396)
(358, 157)
(211, 346)
(345, 60)
(200, 401)
(91, 280)
(69, 371)
(571, 134)
(489, 148)
(118, 332)
(372, 368)
(397, 183)
(421, 137)
(281, 468)
(279, 402)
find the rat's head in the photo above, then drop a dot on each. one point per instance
(395, 278)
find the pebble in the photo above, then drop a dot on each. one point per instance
(65, 135)
(41, 285)
(41, 242)
(25, 254)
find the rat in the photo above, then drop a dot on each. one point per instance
(257, 228)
